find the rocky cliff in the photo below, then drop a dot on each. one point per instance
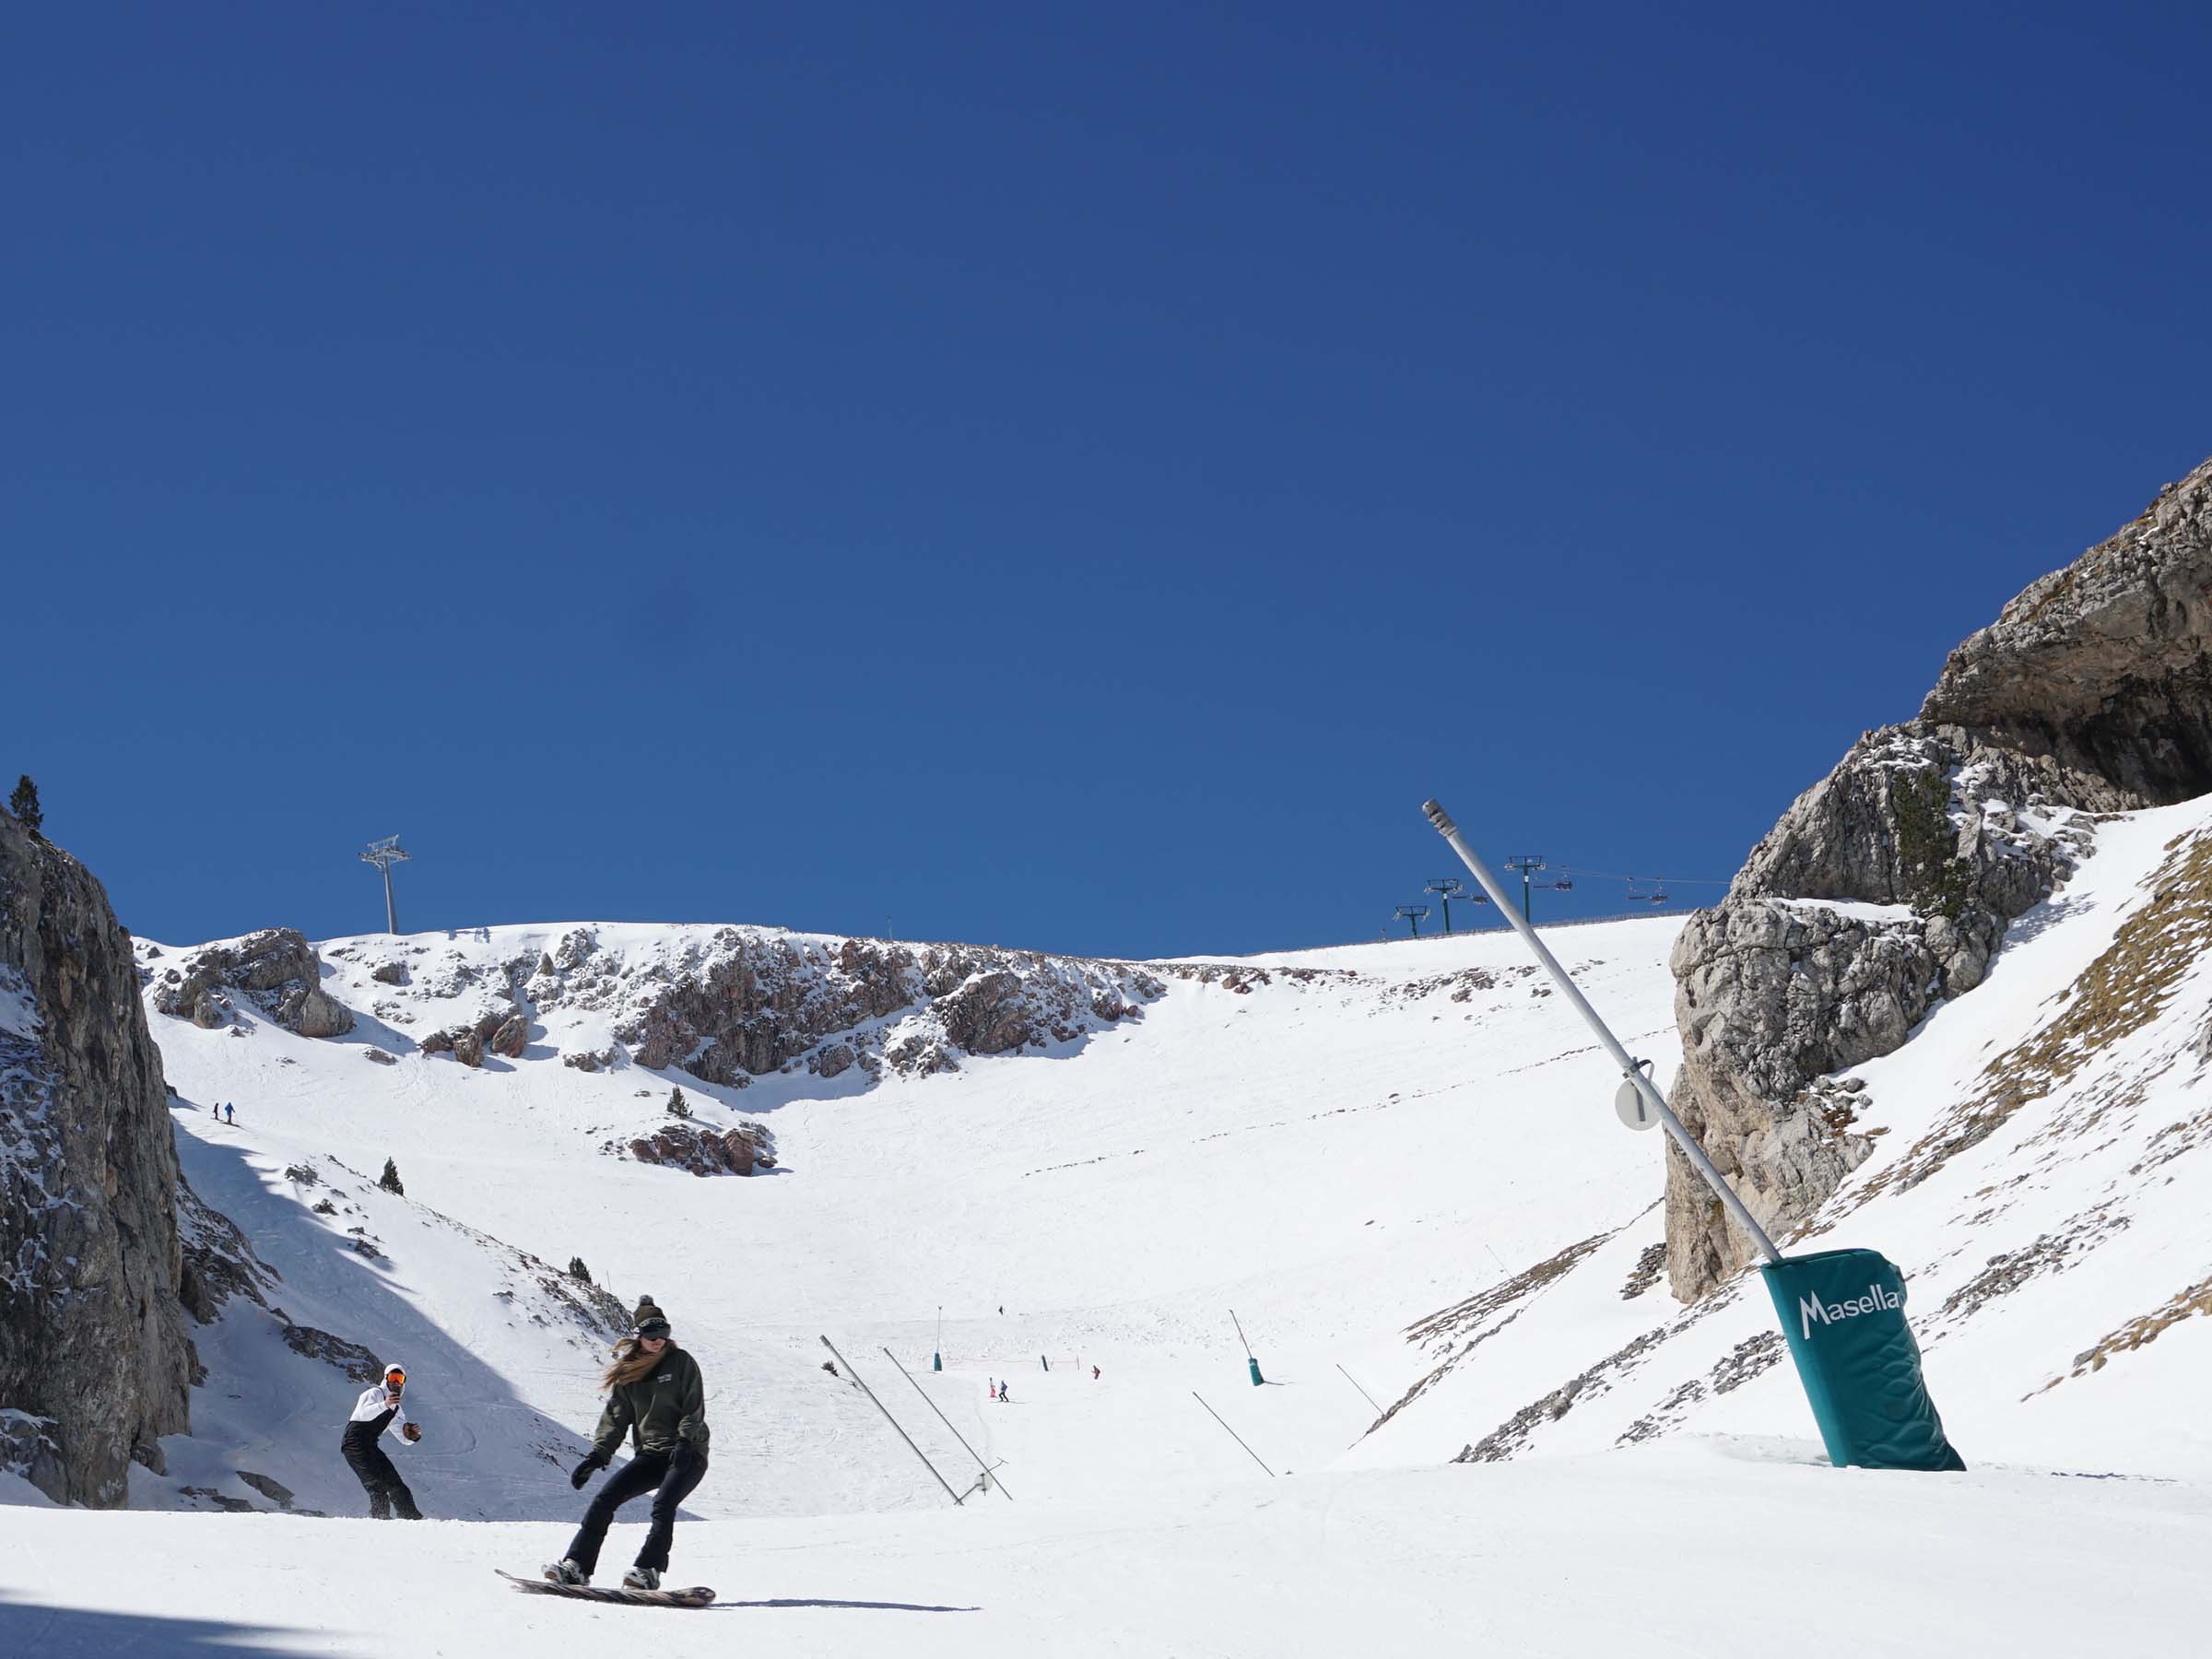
(276, 968)
(94, 1361)
(1889, 885)
(742, 1003)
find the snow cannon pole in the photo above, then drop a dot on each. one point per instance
(1610, 1043)
(947, 1421)
(893, 1421)
(1257, 1381)
(1841, 1310)
(1232, 1433)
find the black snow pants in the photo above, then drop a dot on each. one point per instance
(388, 1494)
(647, 1472)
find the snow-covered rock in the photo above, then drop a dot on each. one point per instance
(2091, 693)
(92, 1335)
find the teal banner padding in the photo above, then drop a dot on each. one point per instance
(1843, 1313)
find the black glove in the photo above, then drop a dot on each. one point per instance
(586, 1470)
(685, 1458)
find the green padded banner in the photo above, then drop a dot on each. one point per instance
(1844, 1312)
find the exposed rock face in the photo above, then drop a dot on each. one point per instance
(738, 1151)
(220, 1262)
(2092, 692)
(512, 1037)
(277, 968)
(92, 1340)
(744, 1003)
(2103, 666)
(358, 1364)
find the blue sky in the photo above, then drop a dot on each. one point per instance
(1070, 477)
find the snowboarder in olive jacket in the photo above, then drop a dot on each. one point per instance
(655, 1393)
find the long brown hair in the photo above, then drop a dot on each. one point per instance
(630, 1362)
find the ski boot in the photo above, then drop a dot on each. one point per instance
(640, 1578)
(568, 1573)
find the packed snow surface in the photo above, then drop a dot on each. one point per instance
(1693, 1548)
(1397, 1163)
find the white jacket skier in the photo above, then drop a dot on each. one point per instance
(375, 1401)
(379, 1408)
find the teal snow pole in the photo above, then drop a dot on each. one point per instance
(1842, 1310)
(1256, 1379)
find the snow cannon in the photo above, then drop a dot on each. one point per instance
(1843, 1311)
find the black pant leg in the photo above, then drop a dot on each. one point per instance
(661, 1533)
(640, 1473)
(397, 1489)
(362, 1457)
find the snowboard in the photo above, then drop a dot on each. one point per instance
(698, 1595)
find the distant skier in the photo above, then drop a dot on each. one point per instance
(1094, 1373)
(1002, 1395)
(655, 1391)
(229, 1112)
(378, 1408)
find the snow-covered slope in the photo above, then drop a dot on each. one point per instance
(1397, 1163)
(1397, 1159)
(2042, 1177)
(1695, 1548)
(1329, 1144)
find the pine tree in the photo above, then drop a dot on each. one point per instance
(578, 1271)
(389, 1180)
(678, 1106)
(24, 804)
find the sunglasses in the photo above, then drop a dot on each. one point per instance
(399, 1377)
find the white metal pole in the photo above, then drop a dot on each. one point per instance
(1629, 1068)
(893, 1421)
(947, 1421)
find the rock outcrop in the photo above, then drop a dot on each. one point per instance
(702, 1151)
(743, 1003)
(275, 967)
(1887, 887)
(94, 1360)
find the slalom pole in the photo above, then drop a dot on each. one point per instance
(1256, 1379)
(893, 1422)
(945, 1420)
(937, 1355)
(1629, 1069)
(1354, 1382)
(1232, 1435)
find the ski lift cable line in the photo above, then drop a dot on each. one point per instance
(1618, 876)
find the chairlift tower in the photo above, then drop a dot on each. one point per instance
(1527, 863)
(1413, 913)
(1446, 888)
(383, 854)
